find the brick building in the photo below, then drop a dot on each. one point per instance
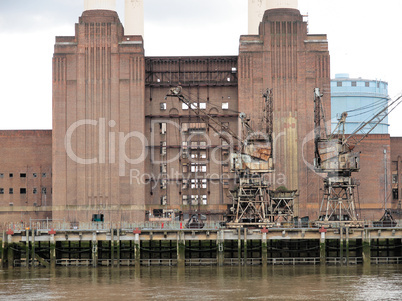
(120, 148)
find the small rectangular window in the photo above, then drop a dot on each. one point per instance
(184, 106)
(162, 127)
(225, 106)
(1, 190)
(1, 175)
(43, 175)
(339, 84)
(203, 106)
(43, 190)
(35, 175)
(11, 175)
(367, 84)
(23, 175)
(11, 191)
(163, 106)
(378, 85)
(185, 200)
(23, 191)
(354, 84)
(35, 190)
(204, 199)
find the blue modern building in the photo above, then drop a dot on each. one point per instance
(361, 99)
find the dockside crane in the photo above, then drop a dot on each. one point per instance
(251, 157)
(336, 159)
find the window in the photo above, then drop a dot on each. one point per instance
(163, 200)
(35, 190)
(184, 184)
(194, 199)
(1, 175)
(225, 168)
(163, 184)
(1, 190)
(394, 179)
(23, 191)
(184, 106)
(378, 85)
(203, 105)
(225, 106)
(23, 175)
(163, 106)
(395, 194)
(367, 84)
(198, 167)
(204, 199)
(35, 175)
(185, 168)
(43, 190)
(11, 175)
(339, 84)
(11, 191)
(163, 168)
(354, 84)
(185, 200)
(43, 175)
(163, 148)
(162, 127)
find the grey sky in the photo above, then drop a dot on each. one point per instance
(364, 40)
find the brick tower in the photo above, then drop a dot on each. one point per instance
(287, 59)
(98, 120)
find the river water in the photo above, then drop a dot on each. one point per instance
(382, 282)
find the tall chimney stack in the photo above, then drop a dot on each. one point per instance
(100, 4)
(134, 17)
(256, 9)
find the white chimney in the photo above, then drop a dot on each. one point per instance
(134, 17)
(256, 9)
(100, 4)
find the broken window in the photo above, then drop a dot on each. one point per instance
(1, 175)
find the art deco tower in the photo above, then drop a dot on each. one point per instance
(284, 57)
(98, 118)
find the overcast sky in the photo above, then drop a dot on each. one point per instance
(365, 40)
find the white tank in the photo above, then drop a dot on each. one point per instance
(100, 4)
(134, 17)
(256, 9)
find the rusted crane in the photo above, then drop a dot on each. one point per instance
(336, 159)
(250, 159)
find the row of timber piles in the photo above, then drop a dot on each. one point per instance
(200, 247)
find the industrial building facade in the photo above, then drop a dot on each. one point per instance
(119, 147)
